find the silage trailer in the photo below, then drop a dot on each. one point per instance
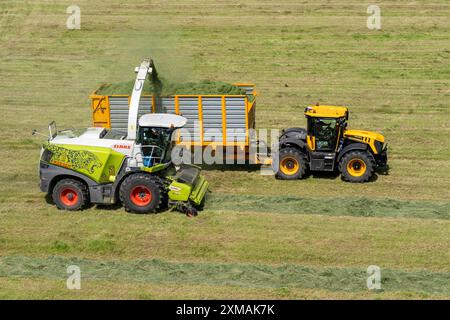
(223, 120)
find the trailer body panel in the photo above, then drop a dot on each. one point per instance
(213, 119)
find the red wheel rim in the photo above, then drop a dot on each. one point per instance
(68, 196)
(141, 196)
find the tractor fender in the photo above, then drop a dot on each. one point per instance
(297, 133)
(289, 141)
(294, 130)
(351, 147)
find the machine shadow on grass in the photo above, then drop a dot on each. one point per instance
(112, 207)
(118, 206)
(315, 174)
(166, 209)
(231, 167)
(334, 175)
(383, 171)
(322, 175)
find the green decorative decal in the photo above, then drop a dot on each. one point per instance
(98, 163)
(80, 160)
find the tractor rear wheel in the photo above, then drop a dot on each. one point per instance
(70, 194)
(143, 193)
(292, 164)
(357, 166)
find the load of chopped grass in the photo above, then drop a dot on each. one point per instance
(168, 89)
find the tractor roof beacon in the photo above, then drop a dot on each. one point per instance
(327, 145)
(104, 166)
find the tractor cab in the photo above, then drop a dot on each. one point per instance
(154, 137)
(325, 127)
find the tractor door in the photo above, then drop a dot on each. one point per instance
(324, 134)
(310, 139)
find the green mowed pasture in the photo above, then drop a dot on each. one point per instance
(257, 237)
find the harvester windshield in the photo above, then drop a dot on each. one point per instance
(156, 144)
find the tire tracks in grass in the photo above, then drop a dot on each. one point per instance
(355, 207)
(221, 274)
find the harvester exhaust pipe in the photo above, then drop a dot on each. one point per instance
(142, 71)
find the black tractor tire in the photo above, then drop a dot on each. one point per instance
(70, 194)
(357, 166)
(292, 164)
(143, 193)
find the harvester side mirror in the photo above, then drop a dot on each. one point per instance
(34, 132)
(52, 129)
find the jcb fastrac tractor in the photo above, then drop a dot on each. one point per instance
(327, 145)
(102, 166)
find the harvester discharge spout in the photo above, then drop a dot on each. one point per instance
(142, 71)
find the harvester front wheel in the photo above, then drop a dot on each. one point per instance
(142, 193)
(70, 194)
(292, 164)
(357, 166)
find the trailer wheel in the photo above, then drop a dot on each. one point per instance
(70, 194)
(292, 164)
(143, 193)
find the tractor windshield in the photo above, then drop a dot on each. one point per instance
(326, 130)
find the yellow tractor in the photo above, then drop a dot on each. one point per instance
(327, 145)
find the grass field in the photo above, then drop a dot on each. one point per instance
(257, 237)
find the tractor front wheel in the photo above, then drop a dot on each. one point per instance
(70, 194)
(357, 166)
(142, 193)
(292, 164)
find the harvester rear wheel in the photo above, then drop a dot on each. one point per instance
(143, 193)
(70, 194)
(357, 166)
(292, 164)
